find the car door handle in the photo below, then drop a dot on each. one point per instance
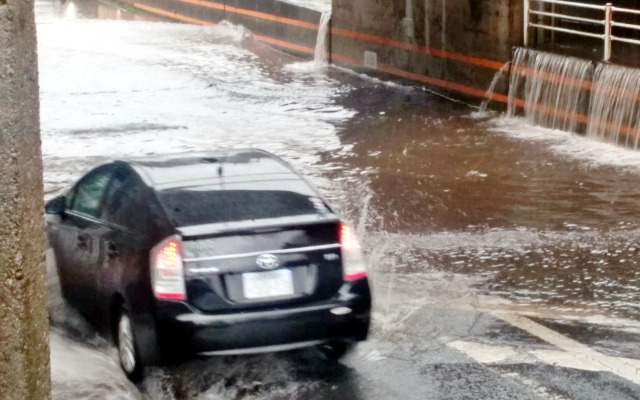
(83, 241)
(112, 250)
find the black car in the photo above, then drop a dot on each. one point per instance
(208, 254)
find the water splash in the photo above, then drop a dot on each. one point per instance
(71, 11)
(79, 371)
(554, 89)
(615, 106)
(320, 55)
(492, 87)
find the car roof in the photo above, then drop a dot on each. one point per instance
(210, 168)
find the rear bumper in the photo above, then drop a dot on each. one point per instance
(345, 317)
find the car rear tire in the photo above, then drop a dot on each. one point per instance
(127, 345)
(335, 350)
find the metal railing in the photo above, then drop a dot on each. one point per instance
(607, 23)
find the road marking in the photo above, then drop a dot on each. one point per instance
(571, 354)
(484, 353)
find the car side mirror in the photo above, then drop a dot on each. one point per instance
(56, 205)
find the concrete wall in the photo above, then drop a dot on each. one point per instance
(24, 350)
(455, 46)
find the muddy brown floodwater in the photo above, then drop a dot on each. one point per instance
(535, 216)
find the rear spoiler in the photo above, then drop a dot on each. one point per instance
(195, 231)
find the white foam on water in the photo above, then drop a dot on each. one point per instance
(81, 372)
(228, 30)
(592, 153)
(480, 115)
(306, 67)
(373, 79)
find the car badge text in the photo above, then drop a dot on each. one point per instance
(204, 270)
(267, 261)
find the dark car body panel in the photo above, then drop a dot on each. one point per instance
(103, 253)
(268, 326)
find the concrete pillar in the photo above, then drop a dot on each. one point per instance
(24, 330)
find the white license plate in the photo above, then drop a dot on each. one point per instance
(276, 283)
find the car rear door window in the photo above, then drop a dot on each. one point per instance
(240, 202)
(127, 203)
(89, 192)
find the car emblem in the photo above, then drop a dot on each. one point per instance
(267, 261)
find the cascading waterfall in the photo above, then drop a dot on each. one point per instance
(320, 56)
(615, 105)
(492, 87)
(553, 87)
(572, 94)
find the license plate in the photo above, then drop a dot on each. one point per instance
(275, 283)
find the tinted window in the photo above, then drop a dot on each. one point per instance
(89, 192)
(237, 202)
(127, 201)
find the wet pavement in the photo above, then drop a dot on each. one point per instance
(504, 258)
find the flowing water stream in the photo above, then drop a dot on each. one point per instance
(321, 51)
(492, 87)
(552, 86)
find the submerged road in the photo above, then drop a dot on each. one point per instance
(504, 258)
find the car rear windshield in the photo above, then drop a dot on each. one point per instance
(207, 205)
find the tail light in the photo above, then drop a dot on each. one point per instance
(353, 263)
(167, 274)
